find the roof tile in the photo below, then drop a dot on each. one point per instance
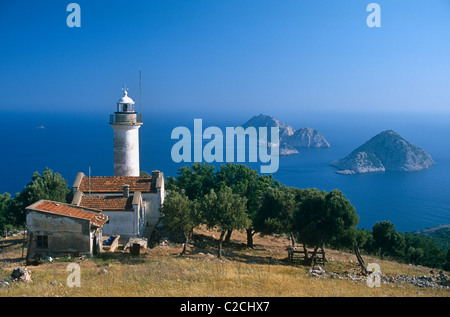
(95, 217)
(107, 203)
(114, 184)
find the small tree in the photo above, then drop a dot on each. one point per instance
(421, 250)
(323, 218)
(256, 191)
(246, 183)
(6, 217)
(447, 261)
(387, 241)
(51, 186)
(144, 174)
(276, 214)
(224, 210)
(238, 178)
(180, 215)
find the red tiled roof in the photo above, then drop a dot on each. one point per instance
(114, 184)
(107, 203)
(95, 217)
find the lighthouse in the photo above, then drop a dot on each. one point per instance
(126, 123)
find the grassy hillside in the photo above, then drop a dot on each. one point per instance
(243, 272)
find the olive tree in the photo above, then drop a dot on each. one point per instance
(276, 214)
(386, 239)
(323, 218)
(224, 210)
(180, 215)
(248, 184)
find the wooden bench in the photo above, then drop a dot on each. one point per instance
(294, 254)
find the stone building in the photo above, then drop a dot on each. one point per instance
(131, 203)
(59, 229)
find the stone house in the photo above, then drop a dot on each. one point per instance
(132, 203)
(59, 229)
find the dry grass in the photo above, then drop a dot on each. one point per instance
(159, 272)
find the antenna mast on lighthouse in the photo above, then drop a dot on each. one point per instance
(140, 91)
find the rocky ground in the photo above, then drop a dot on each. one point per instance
(438, 280)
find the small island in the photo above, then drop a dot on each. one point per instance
(387, 151)
(290, 139)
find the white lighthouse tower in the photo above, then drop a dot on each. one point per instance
(126, 123)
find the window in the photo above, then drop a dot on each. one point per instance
(42, 241)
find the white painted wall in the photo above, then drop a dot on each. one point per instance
(126, 150)
(153, 209)
(120, 222)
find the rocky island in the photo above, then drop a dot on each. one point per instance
(387, 151)
(307, 137)
(290, 139)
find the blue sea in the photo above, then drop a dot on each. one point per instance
(81, 141)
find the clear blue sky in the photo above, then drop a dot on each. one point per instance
(211, 55)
